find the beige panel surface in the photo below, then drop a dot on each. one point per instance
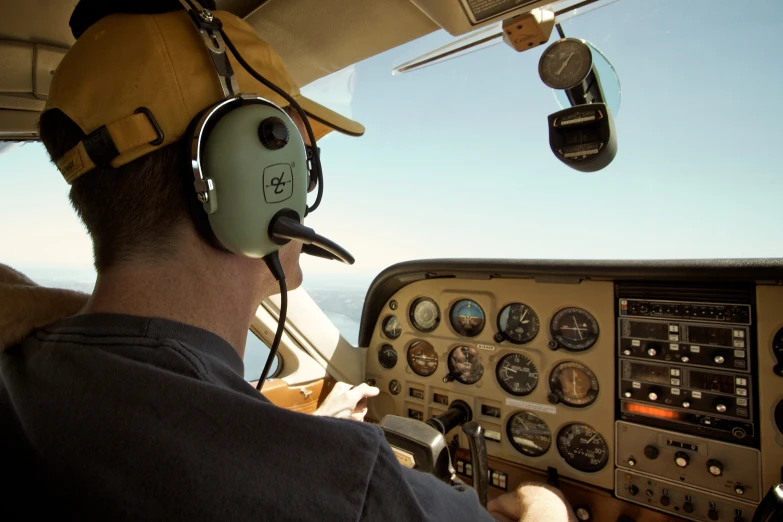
(546, 299)
(769, 314)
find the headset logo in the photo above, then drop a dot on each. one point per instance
(278, 183)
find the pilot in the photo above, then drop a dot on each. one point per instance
(135, 408)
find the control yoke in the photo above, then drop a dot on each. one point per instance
(423, 447)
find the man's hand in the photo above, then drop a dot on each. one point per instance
(531, 502)
(347, 402)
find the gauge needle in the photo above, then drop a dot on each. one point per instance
(573, 379)
(565, 64)
(578, 330)
(591, 438)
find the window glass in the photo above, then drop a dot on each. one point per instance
(256, 354)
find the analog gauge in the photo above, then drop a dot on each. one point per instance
(425, 314)
(387, 356)
(465, 365)
(518, 323)
(565, 63)
(777, 351)
(517, 374)
(422, 358)
(574, 329)
(467, 318)
(573, 384)
(529, 434)
(582, 447)
(395, 387)
(391, 326)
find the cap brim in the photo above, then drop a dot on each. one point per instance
(325, 120)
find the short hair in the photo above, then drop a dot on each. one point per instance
(133, 211)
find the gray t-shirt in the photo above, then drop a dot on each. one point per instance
(112, 417)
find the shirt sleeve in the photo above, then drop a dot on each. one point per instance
(397, 493)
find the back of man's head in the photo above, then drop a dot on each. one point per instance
(135, 210)
(119, 107)
(131, 211)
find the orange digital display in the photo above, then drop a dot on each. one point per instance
(652, 411)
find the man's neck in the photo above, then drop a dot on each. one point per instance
(218, 292)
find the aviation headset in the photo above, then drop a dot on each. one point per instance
(252, 170)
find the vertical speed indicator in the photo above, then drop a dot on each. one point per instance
(517, 374)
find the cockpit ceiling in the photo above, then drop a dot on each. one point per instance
(318, 37)
(314, 37)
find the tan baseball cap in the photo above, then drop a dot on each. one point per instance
(159, 62)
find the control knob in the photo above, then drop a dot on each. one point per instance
(713, 514)
(682, 459)
(720, 406)
(583, 514)
(685, 358)
(652, 351)
(627, 352)
(631, 462)
(686, 404)
(633, 490)
(628, 394)
(687, 507)
(664, 500)
(719, 359)
(715, 467)
(651, 452)
(739, 489)
(273, 133)
(654, 394)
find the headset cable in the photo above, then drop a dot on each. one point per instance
(273, 262)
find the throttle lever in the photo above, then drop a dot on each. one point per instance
(478, 456)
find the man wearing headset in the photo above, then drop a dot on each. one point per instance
(135, 408)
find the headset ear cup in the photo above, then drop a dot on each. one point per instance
(252, 178)
(198, 217)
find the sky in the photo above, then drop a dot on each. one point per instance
(456, 163)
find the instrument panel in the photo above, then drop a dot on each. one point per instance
(662, 390)
(533, 360)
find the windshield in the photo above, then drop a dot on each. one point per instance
(456, 159)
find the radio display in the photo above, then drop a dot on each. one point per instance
(709, 335)
(715, 382)
(658, 331)
(645, 373)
